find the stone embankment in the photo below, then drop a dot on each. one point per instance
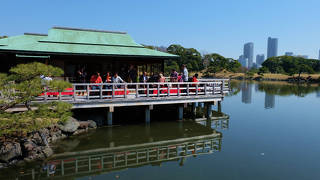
(36, 145)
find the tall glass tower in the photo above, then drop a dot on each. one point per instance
(272, 47)
(248, 53)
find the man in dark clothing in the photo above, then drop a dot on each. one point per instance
(143, 78)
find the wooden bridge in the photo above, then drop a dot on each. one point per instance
(113, 95)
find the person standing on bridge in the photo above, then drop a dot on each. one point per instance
(185, 73)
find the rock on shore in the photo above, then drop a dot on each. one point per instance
(36, 145)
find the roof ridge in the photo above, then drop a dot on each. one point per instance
(36, 34)
(90, 30)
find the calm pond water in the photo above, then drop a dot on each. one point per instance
(272, 133)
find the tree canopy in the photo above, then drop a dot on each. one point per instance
(23, 83)
(188, 56)
(21, 86)
(217, 63)
(195, 62)
(291, 65)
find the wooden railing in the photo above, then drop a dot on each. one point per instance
(91, 91)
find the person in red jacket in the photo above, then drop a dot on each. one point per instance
(195, 78)
(95, 78)
(99, 79)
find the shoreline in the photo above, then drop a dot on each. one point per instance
(305, 78)
(15, 150)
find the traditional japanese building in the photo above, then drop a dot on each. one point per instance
(73, 49)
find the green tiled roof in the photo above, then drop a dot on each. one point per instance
(79, 41)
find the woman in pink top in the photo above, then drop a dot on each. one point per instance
(162, 78)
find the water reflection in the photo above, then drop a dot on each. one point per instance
(271, 90)
(118, 148)
(269, 101)
(246, 91)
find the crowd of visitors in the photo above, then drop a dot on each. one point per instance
(132, 77)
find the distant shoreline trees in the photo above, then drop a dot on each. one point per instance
(291, 65)
(215, 63)
(209, 63)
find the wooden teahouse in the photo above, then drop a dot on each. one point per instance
(73, 49)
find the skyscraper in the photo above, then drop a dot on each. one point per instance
(319, 55)
(248, 53)
(259, 59)
(243, 61)
(272, 47)
(289, 54)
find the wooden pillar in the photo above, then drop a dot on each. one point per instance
(110, 115)
(209, 110)
(147, 113)
(209, 122)
(219, 106)
(194, 109)
(202, 105)
(180, 112)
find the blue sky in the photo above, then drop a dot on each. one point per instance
(209, 26)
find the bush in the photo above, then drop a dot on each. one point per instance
(25, 122)
(21, 86)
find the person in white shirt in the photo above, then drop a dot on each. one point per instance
(117, 79)
(185, 73)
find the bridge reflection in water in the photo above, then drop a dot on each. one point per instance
(137, 146)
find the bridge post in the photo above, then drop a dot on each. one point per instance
(219, 106)
(110, 114)
(180, 111)
(209, 110)
(194, 109)
(147, 113)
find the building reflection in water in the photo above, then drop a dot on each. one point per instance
(118, 148)
(246, 92)
(269, 101)
(256, 87)
(318, 94)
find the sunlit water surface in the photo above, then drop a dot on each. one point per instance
(272, 133)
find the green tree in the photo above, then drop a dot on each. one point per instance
(188, 56)
(23, 84)
(233, 65)
(291, 65)
(218, 63)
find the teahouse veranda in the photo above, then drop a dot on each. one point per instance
(73, 49)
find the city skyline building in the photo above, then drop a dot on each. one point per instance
(288, 54)
(243, 61)
(260, 59)
(319, 55)
(272, 50)
(248, 53)
(303, 56)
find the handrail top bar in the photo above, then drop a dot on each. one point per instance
(222, 79)
(148, 83)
